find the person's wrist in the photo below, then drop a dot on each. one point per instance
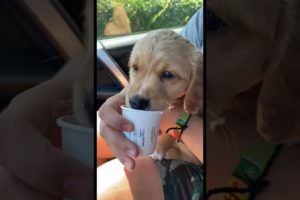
(169, 117)
(180, 125)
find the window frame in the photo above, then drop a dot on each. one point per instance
(107, 43)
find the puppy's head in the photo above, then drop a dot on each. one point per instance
(83, 89)
(250, 42)
(164, 67)
(239, 41)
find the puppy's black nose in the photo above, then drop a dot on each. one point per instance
(139, 103)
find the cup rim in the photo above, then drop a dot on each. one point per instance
(66, 122)
(135, 110)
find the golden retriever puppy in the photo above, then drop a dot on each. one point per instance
(165, 69)
(250, 42)
(251, 50)
(119, 23)
(83, 89)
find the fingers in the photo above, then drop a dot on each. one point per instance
(13, 188)
(31, 158)
(110, 115)
(122, 148)
(111, 126)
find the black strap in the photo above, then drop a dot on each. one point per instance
(254, 188)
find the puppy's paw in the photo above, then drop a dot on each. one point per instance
(157, 155)
(164, 142)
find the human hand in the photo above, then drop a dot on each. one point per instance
(11, 187)
(111, 126)
(193, 134)
(31, 166)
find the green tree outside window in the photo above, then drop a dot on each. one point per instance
(145, 15)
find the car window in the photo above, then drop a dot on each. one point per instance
(119, 17)
(31, 47)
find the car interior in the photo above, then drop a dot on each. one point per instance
(33, 49)
(32, 46)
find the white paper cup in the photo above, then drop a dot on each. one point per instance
(146, 128)
(77, 140)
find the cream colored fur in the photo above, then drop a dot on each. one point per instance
(156, 53)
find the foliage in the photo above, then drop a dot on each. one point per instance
(148, 15)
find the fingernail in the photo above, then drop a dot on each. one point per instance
(127, 127)
(128, 164)
(131, 153)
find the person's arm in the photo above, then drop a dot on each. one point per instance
(193, 31)
(192, 135)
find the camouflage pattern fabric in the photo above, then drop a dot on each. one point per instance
(181, 180)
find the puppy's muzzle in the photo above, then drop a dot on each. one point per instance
(139, 103)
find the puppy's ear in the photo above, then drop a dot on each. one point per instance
(193, 100)
(278, 106)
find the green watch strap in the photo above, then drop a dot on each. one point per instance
(254, 161)
(183, 119)
(181, 123)
(250, 168)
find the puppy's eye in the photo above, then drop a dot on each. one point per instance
(213, 22)
(167, 75)
(135, 68)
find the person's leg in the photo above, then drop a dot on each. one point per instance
(103, 153)
(144, 182)
(181, 179)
